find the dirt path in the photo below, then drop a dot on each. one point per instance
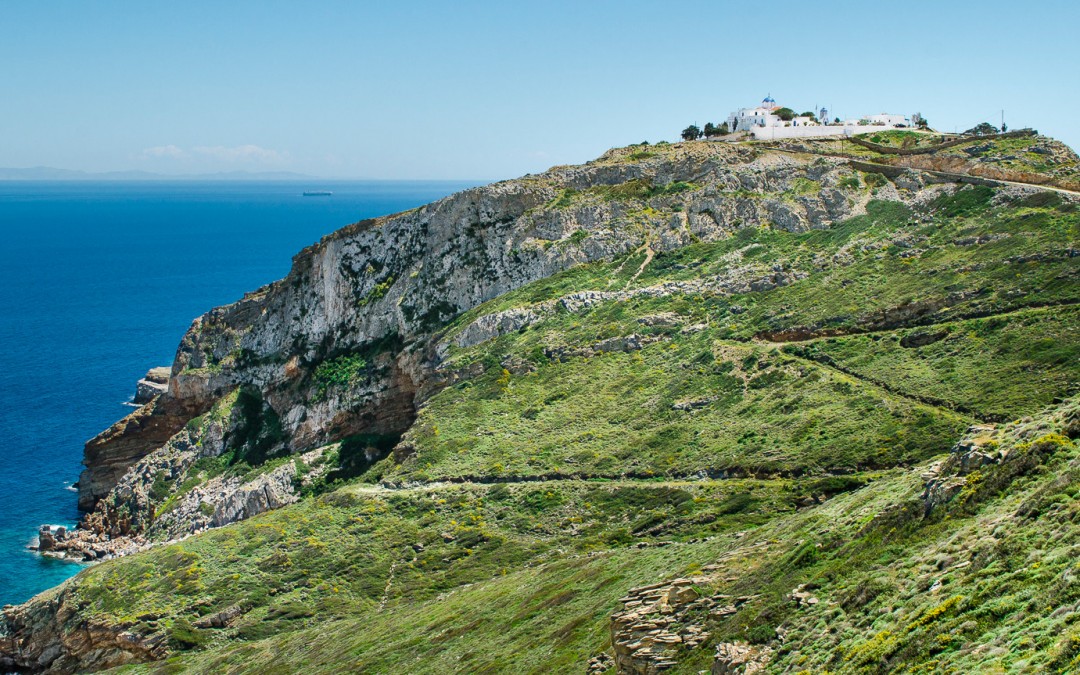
(948, 175)
(649, 254)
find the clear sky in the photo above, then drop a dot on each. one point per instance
(487, 90)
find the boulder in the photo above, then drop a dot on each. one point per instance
(740, 658)
(46, 540)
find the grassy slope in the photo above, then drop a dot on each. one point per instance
(1024, 155)
(522, 576)
(984, 585)
(805, 408)
(1034, 347)
(363, 551)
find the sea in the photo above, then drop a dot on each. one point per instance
(98, 282)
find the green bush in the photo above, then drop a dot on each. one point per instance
(378, 292)
(182, 635)
(339, 372)
(874, 180)
(159, 489)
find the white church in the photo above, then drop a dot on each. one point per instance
(762, 123)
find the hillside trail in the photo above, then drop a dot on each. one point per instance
(950, 175)
(887, 387)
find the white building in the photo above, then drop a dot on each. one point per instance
(763, 116)
(882, 120)
(763, 123)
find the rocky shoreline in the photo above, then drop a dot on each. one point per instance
(132, 518)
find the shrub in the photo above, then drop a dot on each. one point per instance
(182, 635)
(875, 180)
(376, 293)
(982, 129)
(760, 635)
(337, 372)
(736, 503)
(964, 202)
(851, 182)
(712, 130)
(159, 489)
(567, 196)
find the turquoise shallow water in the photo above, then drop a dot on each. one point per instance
(98, 282)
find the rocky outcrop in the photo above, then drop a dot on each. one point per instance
(164, 496)
(740, 658)
(643, 634)
(109, 455)
(223, 500)
(44, 636)
(945, 479)
(657, 621)
(152, 385)
(990, 456)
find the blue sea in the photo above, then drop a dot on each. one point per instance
(98, 282)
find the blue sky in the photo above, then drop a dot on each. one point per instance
(495, 89)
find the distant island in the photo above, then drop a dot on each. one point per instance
(52, 173)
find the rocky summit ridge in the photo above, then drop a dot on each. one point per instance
(739, 407)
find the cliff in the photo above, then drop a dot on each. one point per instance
(635, 413)
(378, 291)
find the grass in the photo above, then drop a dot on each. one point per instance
(755, 411)
(974, 587)
(771, 400)
(1033, 348)
(715, 400)
(333, 555)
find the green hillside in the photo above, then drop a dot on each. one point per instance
(854, 442)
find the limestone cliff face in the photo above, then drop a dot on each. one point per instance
(42, 636)
(108, 455)
(383, 288)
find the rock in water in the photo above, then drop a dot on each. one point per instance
(153, 384)
(46, 540)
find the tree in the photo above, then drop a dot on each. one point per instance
(711, 130)
(786, 114)
(982, 129)
(809, 114)
(922, 123)
(691, 133)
